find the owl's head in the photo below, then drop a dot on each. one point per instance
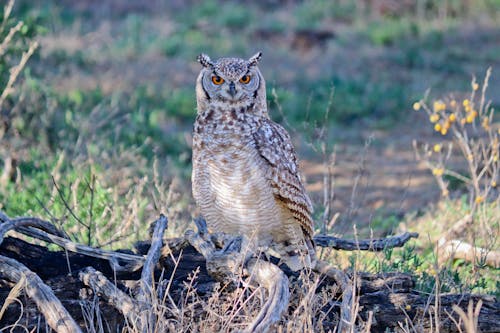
(232, 82)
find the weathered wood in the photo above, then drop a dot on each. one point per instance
(114, 296)
(389, 296)
(389, 309)
(147, 275)
(377, 244)
(457, 249)
(146, 296)
(26, 224)
(449, 246)
(276, 282)
(227, 264)
(54, 312)
(383, 300)
(48, 233)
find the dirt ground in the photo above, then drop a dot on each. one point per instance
(375, 175)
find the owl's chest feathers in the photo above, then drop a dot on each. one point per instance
(216, 128)
(230, 172)
(230, 146)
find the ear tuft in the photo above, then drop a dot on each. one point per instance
(205, 61)
(254, 60)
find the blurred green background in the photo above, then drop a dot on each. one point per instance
(105, 106)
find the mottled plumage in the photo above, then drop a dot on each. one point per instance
(245, 174)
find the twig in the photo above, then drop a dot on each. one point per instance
(374, 245)
(117, 298)
(54, 312)
(16, 70)
(8, 38)
(70, 210)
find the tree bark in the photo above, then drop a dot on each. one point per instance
(389, 297)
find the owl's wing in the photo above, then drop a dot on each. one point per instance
(275, 146)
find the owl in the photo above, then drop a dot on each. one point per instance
(245, 176)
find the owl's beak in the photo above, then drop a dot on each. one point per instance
(232, 89)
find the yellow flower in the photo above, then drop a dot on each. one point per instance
(444, 131)
(479, 199)
(447, 125)
(466, 102)
(493, 183)
(474, 113)
(453, 103)
(462, 121)
(470, 157)
(408, 307)
(495, 158)
(475, 86)
(437, 148)
(416, 106)
(469, 119)
(437, 127)
(439, 106)
(445, 193)
(468, 108)
(434, 118)
(452, 117)
(437, 171)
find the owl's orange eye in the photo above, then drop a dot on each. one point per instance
(216, 79)
(245, 79)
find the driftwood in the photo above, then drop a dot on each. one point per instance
(125, 293)
(449, 246)
(54, 312)
(364, 244)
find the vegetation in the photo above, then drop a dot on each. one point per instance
(95, 127)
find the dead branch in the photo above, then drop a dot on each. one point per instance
(457, 249)
(114, 296)
(48, 233)
(48, 304)
(374, 245)
(23, 223)
(450, 247)
(145, 296)
(147, 277)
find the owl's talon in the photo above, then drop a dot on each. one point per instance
(201, 225)
(234, 245)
